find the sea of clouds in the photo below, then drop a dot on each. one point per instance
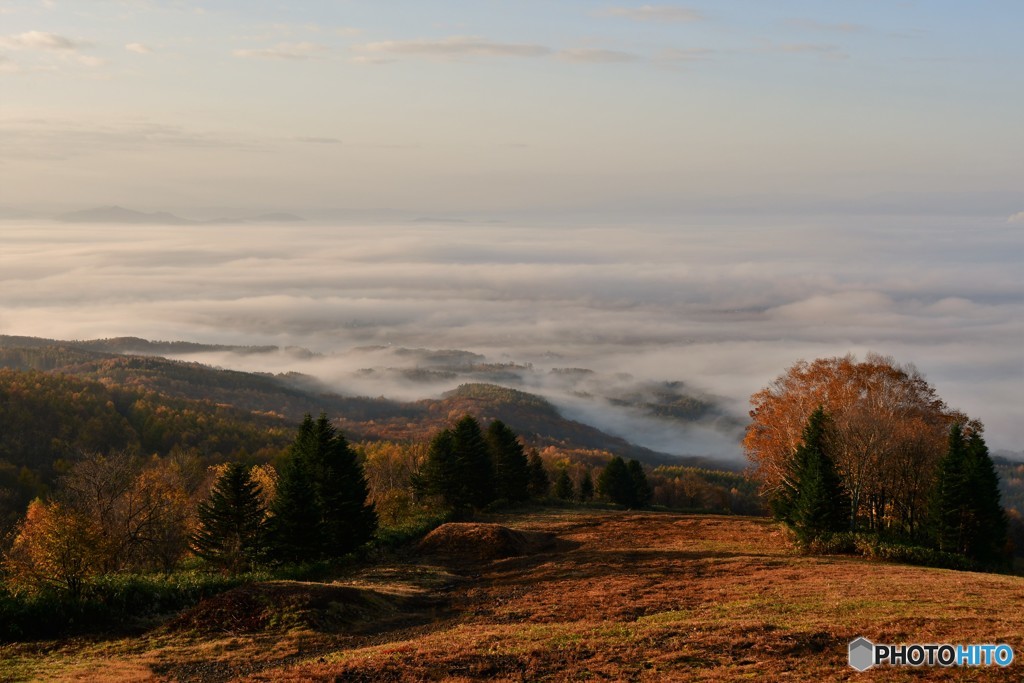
(722, 303)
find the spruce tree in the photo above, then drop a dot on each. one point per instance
(348, 520)
(231, 531)
(511, 468)
(616, 483)
(821, 501)
(439, 476)
(472, 463)
(642, 493)
(586, 486)
(540, 484)
(986, 537)
(949, 508)
(563, 485)
(297, 516)
(321, 507)
(967, 516)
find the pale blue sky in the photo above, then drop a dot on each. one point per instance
(499, 105)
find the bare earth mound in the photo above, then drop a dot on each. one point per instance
(284, 605)
(472, 543)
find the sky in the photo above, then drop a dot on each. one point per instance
(497, 107)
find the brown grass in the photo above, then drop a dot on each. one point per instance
(620, 596)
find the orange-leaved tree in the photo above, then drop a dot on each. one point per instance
(887, 430)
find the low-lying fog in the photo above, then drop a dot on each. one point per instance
(722, 304)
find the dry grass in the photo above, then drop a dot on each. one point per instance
(621, 596)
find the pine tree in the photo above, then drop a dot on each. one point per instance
(949, 497)
(511, 468)
(321, 507)
(616, 483)
(540, 484)
(563, 485)
(642, 493)
(348, 520)
(986, 538)
(438, 476)
(967, 516)
(231, 530)
(586, 487)
(821, 501)
(294, 525)
(473, 463)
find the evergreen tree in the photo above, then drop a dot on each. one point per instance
(438, 476)
(616, 483)
(348, 520)
(967, 516)
(821, 502)
(563, 485)
(231, 531)
(511, 468)
(321, 507)
(473, 463)
(458, 466)
(540, 484)
(949, 497)
(642, 493)
(296, 515)
(586, 486)
(986, 537)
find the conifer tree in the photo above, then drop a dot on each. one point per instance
(967, 516)
(231, 530)
(349, 520)
(540, 484)
(821, 502)
(321, 507)
(511, 468)
(616, 483)
(986, 538)
(473, 463)
(563, 485)
(294, 525)
(439, 476)
(642, 493)
(586, 486)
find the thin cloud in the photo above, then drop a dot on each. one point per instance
(655, 13)
(319, 140)
(679, 55)
(842, 27)
(40, 40)
(1016, 218)
(455, 47)
(594, 56)
(138, 48)
(823, 50)
(287, 51)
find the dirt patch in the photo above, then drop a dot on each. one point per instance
(474, 543)
(286, 605)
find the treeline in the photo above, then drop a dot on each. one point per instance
(47, 420)
(467, 467)
(880, 467)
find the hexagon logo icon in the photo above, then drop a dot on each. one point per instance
(862, 654)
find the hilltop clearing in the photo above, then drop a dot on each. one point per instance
(614, 596)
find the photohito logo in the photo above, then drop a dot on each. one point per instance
(864, 654)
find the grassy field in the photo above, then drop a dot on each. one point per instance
(603, 596)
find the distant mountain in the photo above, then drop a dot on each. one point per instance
(289, 396)
(119, 214)
(275, 218)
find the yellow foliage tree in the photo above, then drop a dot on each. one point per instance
(55, 548)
